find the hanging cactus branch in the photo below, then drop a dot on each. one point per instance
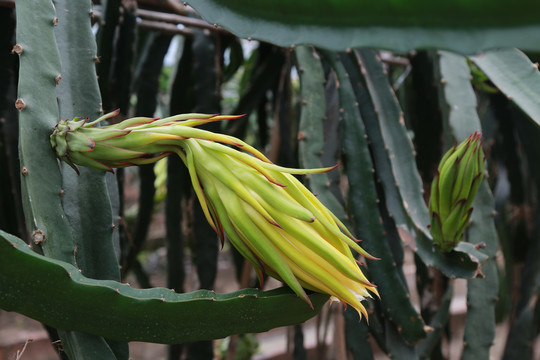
(459, 176)
(270, 217)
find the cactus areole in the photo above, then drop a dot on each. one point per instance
(270, 217)
(458, 178)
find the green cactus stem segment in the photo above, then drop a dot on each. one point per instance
(454, 188)
(56, 293)
(273, 220)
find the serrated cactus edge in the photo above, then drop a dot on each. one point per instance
(56, 293)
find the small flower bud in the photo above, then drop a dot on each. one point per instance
(459, 175)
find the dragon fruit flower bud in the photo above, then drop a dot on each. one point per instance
(273, 220)
(458, 178)
(276, 222)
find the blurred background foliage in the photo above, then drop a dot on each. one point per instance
(386, 116)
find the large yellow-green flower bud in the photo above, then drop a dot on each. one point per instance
(459, 175)
(273, 220)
